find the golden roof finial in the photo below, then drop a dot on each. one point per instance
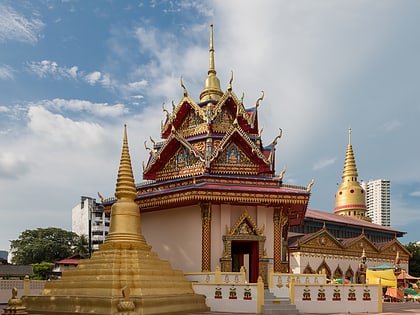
(350, 169)
(212, 89)
(125, 187)
(349, 135)
(212, 68)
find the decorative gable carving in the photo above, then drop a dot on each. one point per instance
(233, 160)
(192, 125)
(245, 225)
(182, 163)
(223, 122)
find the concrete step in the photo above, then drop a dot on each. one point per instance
(274, 305)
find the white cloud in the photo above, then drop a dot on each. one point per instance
(4, 109)
(6, 72)
(98, 109)
(324, 163)
(12, 165)
(93, 77)
(415, 194)
(45, 68)
(14, 26)
(137, 86)
(392, 125)
(62, 130)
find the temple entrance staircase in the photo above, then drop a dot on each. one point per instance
(274, 305)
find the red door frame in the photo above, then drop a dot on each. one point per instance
(251, 248)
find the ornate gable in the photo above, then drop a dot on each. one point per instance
(359, 243)
(392, 247)
(176, 158)
(237, 154)
(321, 241)
(186, 117)
(245, 225)
(246, 118)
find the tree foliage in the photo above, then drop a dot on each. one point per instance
(414, 262)
(81, 246)
(43, 245)
(42, 270)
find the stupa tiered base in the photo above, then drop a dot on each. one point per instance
(95, 287)
(124, 277)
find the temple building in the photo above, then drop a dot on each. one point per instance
(335, 243)
(212, 197)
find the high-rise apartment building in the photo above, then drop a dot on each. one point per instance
(378, 201)
(88, 218)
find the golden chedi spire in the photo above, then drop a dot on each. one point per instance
(212, 89)
(124, 263)
(350, 197)
(125, 214)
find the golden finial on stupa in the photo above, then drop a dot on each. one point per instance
(125, 187)
(125, 213)
(212, 89)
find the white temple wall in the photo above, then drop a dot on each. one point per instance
(265, 219)
(175, 235)
(218, 229)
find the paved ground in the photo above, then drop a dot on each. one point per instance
(387, 309)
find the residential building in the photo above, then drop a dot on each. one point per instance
(90, 219)
(378, 201)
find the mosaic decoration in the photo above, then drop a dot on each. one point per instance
(306, 294)
(321, 294)
(336, 294)
(247, 293)
(366, 294)
(218, 293)
(232, 293)
(352, 294)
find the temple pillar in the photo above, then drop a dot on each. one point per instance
(280, 220)
(205, 236)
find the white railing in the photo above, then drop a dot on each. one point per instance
(337, 298)
(228, 291)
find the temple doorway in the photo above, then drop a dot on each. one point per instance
(246, 253)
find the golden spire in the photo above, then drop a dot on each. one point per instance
(125, 187)
(125, 213)
(212, 89)
(350, 196)
(350, 170)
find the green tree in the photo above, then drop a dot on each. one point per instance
(414, 262)
(49, 244)
(82, 246)
(42, 270)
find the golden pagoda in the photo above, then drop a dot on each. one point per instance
(124, 276)
(350, 197)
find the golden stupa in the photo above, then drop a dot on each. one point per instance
(350, 199)
(124, 276)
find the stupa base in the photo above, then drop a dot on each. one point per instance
(88, 305)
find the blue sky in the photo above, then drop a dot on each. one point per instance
(73, 72)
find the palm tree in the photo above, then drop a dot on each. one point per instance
(81, 246)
